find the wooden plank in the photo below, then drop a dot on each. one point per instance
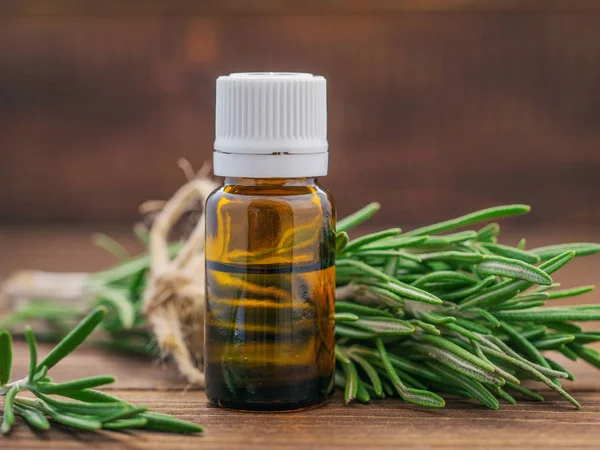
(29, 8)
(383, 424)
(430, 114)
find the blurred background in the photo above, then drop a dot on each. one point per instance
(436, 108)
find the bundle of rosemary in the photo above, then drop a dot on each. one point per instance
(421, 313)
(418, 314)
(93, 410)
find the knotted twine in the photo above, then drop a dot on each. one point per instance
(173, 302)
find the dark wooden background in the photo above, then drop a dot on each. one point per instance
(436, 107)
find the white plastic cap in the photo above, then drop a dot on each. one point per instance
(271, 125)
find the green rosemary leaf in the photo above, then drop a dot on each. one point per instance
(524, 345)
(398, 362)
(503, 394)
(70, 420)
(32, 353)
(470, 290)
(118, 300)
(341, 355)
(370, 238)
(517, 306)
(434, 241)
(5, 357)
(427, 327)
(76, 385)
(437, 320)
(512, 253)
(553, 342)
(387, 388)
(391, 266)
(369, 371)
(513, 268)
(460, 365)
(385, 295)
(521, 244)
(384, 326)
(358, 217)
(463, 331)
(163, 422)
(410, 292)
(33, 417)
(479, 216)
(587, 337)
(570, 292)
(81, 408)
(588, 354)
(126, 413)
(499, 370)
(524, 391)
(396, 243)
(345, 317)
(472, 325)
(360, 310)
(556, 314)
(364, 268)
(565, 327)
(92, 396)
(408, 380)
(362, 396)
(352, 379)
(453, 256)
(488, 232)
(112, 246)
(353, 333)
(418, 397)
(444, 275)
(475, 389)
(40, 376)
(496, 344)
(365, 254)
(341, 240)
(138, 422)
(8, 418)
(557, 366)
(74, 338)
(495, 323)
(566, 351)
(580, 249)
(508, 289)
(444, 344)
(129, 268)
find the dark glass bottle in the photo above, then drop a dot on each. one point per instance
(270, 249)
(270, 246)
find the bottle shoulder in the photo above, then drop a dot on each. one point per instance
(295, 196)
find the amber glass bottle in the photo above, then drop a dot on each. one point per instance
(270, 248)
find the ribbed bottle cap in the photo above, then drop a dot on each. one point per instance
(271, 125)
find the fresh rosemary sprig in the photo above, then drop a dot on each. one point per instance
(91, 410)
(455, 313)
(419, 314)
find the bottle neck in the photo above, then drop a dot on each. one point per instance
(270, 165)
(271, 182)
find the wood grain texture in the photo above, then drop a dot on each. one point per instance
(382, 424)
(432, 114)
(269, 7)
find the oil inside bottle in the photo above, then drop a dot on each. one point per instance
(270, 300)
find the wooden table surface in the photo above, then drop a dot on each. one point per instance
(382, 424)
